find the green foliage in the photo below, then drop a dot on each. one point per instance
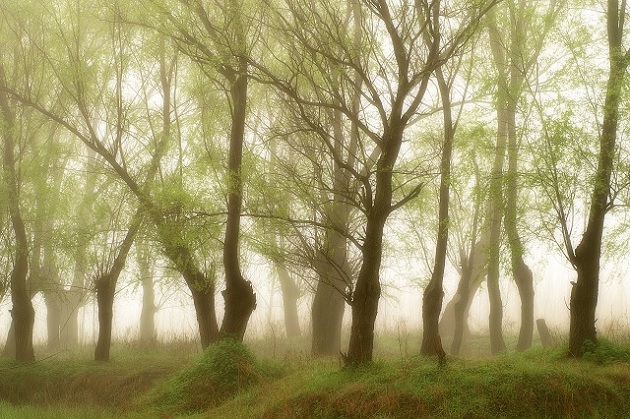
(604, 352)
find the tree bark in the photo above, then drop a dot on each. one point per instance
(434, 292)
(585, 290)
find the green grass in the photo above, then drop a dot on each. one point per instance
(231, 380)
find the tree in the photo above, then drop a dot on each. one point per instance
(587, 255)
(22, 311)
(317, 78)
(222, 46)
(434, 292)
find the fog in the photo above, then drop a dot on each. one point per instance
(399, 309)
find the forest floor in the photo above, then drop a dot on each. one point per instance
(276, 379)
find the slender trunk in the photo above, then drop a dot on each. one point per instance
(334, 273)
(585, 290)
(239, 296)
(494, 208)
(290, 295)
(367, 292)
(522, 274)
(434, 292)
(459, 307)
(473, 266)
(495, 215)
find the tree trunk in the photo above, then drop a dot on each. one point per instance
(585, 290)
(105, 289)
(239, 296)
(367, 291)
(203, 300)
(70, 326)
(329, 303)
(434, 292)
(202, 287)
(22, 313)
(327, 315)
(495, 212)
(522, 274)
(545, 336)
(53, 320)
(495, 198)
(147, 315)
(290, 295)
(9, 346)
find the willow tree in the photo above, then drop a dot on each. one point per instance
(587, 255)
(22, 311)
(19, 131)
(319, 76)
(515, 52)
(219, 37)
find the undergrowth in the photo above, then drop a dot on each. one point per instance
(229, 381)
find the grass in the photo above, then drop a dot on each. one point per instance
(231, 380)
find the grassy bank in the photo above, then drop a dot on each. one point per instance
(230, 381)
